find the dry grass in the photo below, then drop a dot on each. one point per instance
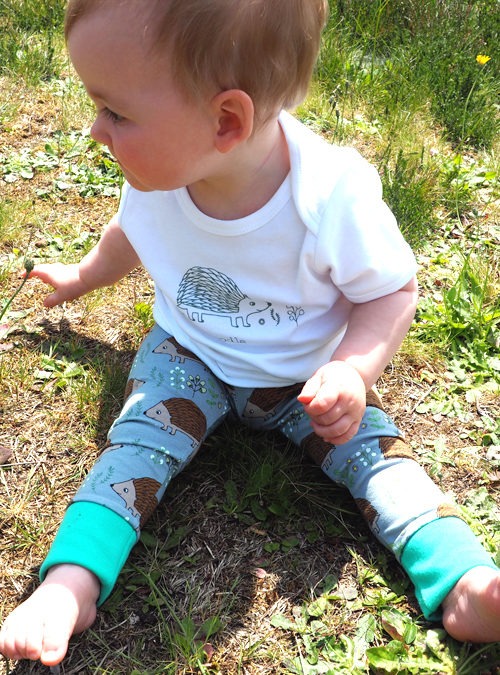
(221, 569)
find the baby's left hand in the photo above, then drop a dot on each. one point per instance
(335, 400)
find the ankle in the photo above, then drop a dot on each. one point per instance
(475, 578)
(471, 611)
(82, 583)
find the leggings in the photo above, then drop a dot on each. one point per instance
(173, 402)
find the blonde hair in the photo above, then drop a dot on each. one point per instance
(267, 48)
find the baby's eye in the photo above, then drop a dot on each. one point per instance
(110, 115)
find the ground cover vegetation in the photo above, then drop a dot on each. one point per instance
(254, 563)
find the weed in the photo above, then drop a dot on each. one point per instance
(80, 162)
(409, 187)
(255, 562)
(144, 315)
(466, 324)
(487, 526)
(30, 38)
(463, 92)
(410, 648)
(461, 180)
(186, 640)
(465, 95)
(59, 371)
(265, 493)
(28, 266)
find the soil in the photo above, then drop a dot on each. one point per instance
(221, 564)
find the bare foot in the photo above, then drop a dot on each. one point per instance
(40, 628)
(471, 611)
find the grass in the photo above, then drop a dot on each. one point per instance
(255, 563)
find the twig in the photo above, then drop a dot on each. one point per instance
(422, 398)
(28, 266)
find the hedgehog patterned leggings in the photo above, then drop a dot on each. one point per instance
(173, 402)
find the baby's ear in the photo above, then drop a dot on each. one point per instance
(233, 112)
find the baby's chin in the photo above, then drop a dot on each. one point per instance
(136, 184)
(151, 186)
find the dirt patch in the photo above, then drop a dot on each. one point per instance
(223, 565)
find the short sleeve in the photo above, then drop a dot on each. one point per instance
(359, 240)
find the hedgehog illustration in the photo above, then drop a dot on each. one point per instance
(204, 291)
(111, 447)
(131, 386)
(369, 513)
(316, 448)
(263, 401)
(373, 399)
(139, 495)
(171, 348)
(395, 447)
(180, 414)
(447, 510)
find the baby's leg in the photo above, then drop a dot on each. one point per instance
(162, 424)
(455, 579)
(40, 627)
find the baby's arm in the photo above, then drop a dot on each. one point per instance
(109, 261)
(335, 396)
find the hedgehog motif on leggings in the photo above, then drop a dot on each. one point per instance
(204, 291)
(180, 414)
(374, 400)
(447, 510)
(111, 447)
(139, 495)
(316, 448)
(395, 447)
(132, 386)
(369, 513)
(175, 351)
(263, 401)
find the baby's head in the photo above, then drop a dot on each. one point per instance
(266, 48)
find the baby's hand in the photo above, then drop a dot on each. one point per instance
(335, 400)
(65, 279)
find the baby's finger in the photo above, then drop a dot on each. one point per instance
(42, 271)
(324, 400)
(310, 389)
(340, 432)
(53, 299)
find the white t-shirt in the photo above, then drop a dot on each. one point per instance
(264, 300)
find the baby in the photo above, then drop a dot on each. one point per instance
(282, 281)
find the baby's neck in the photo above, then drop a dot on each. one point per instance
(249, 176)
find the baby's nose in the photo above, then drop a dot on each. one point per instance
(99, 134)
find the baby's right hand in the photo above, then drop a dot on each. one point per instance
(65, 279)
(335, 400)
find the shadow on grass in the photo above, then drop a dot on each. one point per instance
(250, 530)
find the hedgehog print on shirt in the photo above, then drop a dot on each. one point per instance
(204, 291)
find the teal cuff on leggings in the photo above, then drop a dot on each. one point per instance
(93, 537)
(437, 556)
